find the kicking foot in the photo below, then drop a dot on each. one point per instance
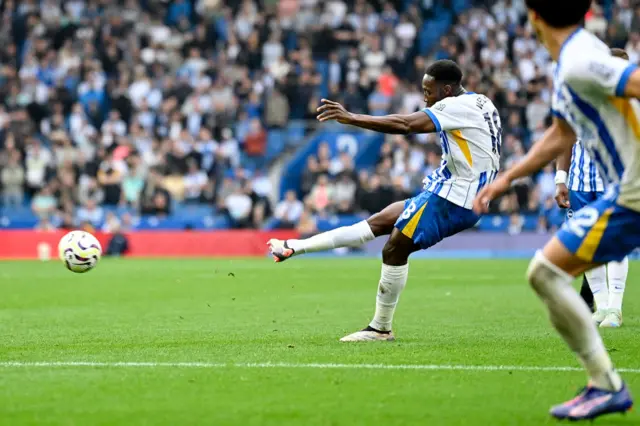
(280, 250)
(599, 315)
(592, 402)
(369, 335)
(613, 319)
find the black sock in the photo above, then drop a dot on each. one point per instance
(587, 295)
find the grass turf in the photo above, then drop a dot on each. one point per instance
(461, 312)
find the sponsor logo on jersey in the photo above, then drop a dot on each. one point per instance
(601, 70)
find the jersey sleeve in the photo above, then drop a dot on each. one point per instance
(602, 73)
(558, 105)
(446, 115)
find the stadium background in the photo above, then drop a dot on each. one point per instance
(173, 122)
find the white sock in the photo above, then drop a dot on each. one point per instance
(572, 319)
(598, 284)
(346, 236)
(393, 279)
(617, 272)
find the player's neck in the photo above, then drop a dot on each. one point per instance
(556, 38)
(459, 91)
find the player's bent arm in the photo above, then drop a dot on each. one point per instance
(563, 162)
(396, 124)
(559, 138)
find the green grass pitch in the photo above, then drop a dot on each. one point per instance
(230, 315)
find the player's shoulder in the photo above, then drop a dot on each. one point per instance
(576, 64)
(469, 101)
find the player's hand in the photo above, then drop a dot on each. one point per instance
(330, 110)
(490, 193)
(562, 196)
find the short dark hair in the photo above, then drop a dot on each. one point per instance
(445, 71)
(619, 53)
(560, 14)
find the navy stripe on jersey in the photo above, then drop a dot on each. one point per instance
(482, 181)
(445, 142)
(581, 172)
(572, 169)
(446, 175)
(592, 114)
(592, 176)
(603, 167)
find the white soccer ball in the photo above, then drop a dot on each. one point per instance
(79, 251)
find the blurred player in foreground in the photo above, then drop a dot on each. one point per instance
(595, 100)
(470, 135)
(586, 186)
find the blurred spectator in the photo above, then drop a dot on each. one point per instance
(37, 162)
(195, 182)
(133, 181)
(379, 102)
(255, 143)
(90, 213)
(276, 109)
(12, 181)
(309, 174)
(345, 192)
(111, 223)
(155, 199)
(110, 176)
(289, 211)
(536, 113)
(307, 225)
(239, 206)
(546, 184)
(321, 196)
(43, 203)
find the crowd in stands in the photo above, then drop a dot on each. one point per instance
(147, 103)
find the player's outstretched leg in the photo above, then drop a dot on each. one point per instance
(597, 278)
(551, 273)
(586, 294)
(617, 273)
(393, 279)
(347, 236)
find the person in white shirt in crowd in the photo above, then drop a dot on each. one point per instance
(289, 210)
(194, 182)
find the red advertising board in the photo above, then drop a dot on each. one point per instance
(31, 244)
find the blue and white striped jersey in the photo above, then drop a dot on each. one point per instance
(471, 138)
(583, 173)
(589, 87)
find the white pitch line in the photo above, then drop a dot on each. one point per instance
(284, 365)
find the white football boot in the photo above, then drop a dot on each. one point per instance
(369, 336)
(279, 250)
(612, 320)
(599, 315)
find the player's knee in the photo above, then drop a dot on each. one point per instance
(537, 271)
(395, 253)
(388, 251)
(542, 274)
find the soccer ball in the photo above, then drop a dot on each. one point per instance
(80, 251)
